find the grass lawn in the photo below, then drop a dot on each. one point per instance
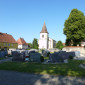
(70, 69)
(2, 58)
(46, 58)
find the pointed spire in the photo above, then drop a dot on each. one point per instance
(44, 29)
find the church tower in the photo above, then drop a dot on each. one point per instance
(44, 37)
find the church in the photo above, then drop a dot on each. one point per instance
(45, 42)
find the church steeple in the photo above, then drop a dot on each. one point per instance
(44, 29)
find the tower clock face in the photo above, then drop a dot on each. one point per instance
(42, 36)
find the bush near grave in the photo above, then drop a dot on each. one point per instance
(45, 53)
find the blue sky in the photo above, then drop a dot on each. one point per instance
(25, 18)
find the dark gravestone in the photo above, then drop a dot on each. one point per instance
(3, 53)
(35, 57)
(58, 56)
(16, 56)
(71, 54)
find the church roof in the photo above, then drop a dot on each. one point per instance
(44, 29)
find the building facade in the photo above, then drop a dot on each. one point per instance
(7, 41)
(22, 44)
(45, 42)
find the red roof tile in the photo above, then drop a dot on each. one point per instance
(21, 41)
(4, 37)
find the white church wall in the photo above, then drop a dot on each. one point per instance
(45, 35)
(50, 43)
(42, 44)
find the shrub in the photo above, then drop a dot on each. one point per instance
(70, 57)
(9, 55)
(48, 54)
(41, 58)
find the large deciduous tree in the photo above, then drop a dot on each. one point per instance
(74, 28)
(35, 43)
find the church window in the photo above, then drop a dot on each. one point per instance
(42, 36)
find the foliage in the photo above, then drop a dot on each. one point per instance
(35, 44)
(46, 58)
(1, 58)
(48, 54)
(30, 44)
(74, 27)
(42, 58)
(70, 57)
(59, 45)
(70, 69)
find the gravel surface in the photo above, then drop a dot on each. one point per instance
(21, 78)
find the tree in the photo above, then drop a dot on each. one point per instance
(59, 45)
(35, 43)
(30, 44)
(74, 28)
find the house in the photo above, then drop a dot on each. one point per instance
(63, 44)
(45, 42)
(22, 44)
(7, 41)
(83, 43)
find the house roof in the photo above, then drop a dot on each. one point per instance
(6, 38)
(63, 44)
(21, 41)
(44, 29)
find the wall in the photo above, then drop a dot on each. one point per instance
(22, 46)
(50, 43)
(43, 41)
(74, 48)
(9, 45)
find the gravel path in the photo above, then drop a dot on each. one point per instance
(20, 78)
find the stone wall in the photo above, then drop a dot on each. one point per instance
(74, 48)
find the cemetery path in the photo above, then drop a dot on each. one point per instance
(20, 78)
(5, 60)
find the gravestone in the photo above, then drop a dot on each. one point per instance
(16, 56)
(3, 53)
(45, 53)
(77, 53)
(58, 56)
(35, 57)
(70, 54)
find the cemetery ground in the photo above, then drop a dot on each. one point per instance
(2, 58)
(65, 69)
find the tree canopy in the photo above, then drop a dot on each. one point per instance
(35, 43)
(30, 44)
(59, 45)
(74, 27)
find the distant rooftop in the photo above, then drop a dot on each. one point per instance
(6, 38)
(21, 41)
